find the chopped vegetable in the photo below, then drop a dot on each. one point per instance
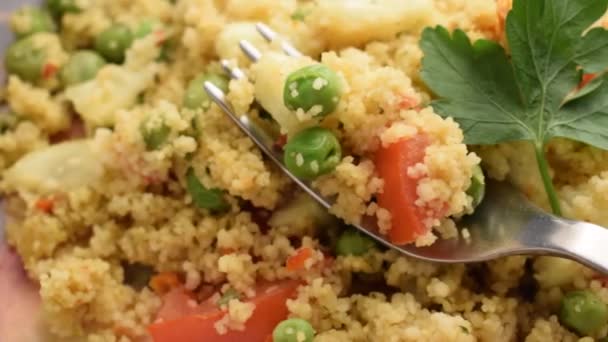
(583, 312)
(399, 193)
(314, 89)
(293, 330)
(163, 282)
(26, 59)
(210, 199)
(229, 295)
(45, 205)
(60, 7)
(353, 242)
(497, 98)
(298, 261)
(477, 189)
(270, 73)
(154, 132)
(301, 207)
(49, 70)
(29, 20)
(552, 271)
(301, 13)
(114, 88)
(82, 66)
(196, 96)
(146, 27)
(178, 320)
(155, 26)
(114, 42)
(66, 166)
(312, 152)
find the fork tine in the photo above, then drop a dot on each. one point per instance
(218, 96)
(234, 72)
(266, 31)
(251, 51)
(270, 36)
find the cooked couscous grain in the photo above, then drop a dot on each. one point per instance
(80, 213)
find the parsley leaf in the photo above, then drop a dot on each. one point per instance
(528, 95)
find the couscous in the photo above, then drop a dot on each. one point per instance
(141, 212)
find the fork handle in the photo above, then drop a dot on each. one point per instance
(581, 241)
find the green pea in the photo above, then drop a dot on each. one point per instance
(301, 13)
(583, 312)
(229, 295)
(352, 242)
(196, 96)
(60, 7)
(146, 27)
(114, 42)
(315, 89)
(312, 152)
(25, 59)
(293, 330)
(154, 132)
(29, 20)
(203, 198)
(477, 189)
(82, 66)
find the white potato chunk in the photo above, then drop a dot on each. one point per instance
(227, 43)
(553, 271)
(302, 210)
(64, 167)
(355, 22)
(270, 74)
(114, 88)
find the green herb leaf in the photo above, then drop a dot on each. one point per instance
(528, 96)
(593, 51)
(229, 295)
(211, 199)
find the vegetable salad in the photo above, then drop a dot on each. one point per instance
(137, 211)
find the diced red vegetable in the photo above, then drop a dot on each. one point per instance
(180, 320)
(281, 141)
(408, 102)
(45, 205)
(164, 282)
(49, 70)
(399, 194)
(297, 261)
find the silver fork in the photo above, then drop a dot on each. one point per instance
(504, 224)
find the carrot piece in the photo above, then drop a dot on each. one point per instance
(200, 323)
(49, 70)
(297, 261)
(400, 190)
(408, 102)
(279, 144)
(163, 282)
(45, 205)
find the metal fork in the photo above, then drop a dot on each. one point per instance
(504, 224)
